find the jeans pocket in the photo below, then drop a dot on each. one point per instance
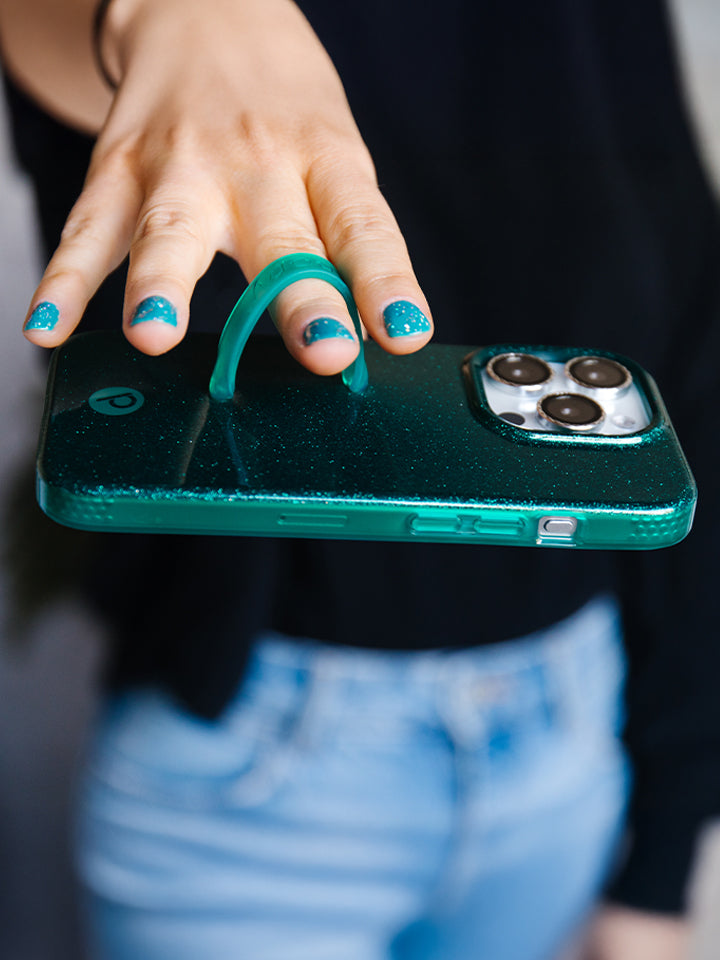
(150, 748)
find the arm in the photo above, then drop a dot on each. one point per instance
(620, 933)
(46, 45)
(229, 132)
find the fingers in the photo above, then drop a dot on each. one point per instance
(275, 220)
(173, 225)
(284, 214)
(94, 241)
(364, 242)
(178, 231)
(171, 234)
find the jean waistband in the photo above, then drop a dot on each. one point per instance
(573, 638)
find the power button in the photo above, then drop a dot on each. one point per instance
(557, 527)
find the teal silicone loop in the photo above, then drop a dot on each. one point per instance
(257, 298)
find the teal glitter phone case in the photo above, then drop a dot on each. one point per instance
(399, 448)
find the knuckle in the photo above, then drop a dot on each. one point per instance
(168, 220)
(180, 137)
(70, 278)
(333, 154)
(149, 157)
(113, 159)
(393, 278)
(169, 139)
(358, 226)
(256, 140)
(274, 243)
(80, 227)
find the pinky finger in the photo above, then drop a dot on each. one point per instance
(94, 241)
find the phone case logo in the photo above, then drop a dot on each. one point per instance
(116, 401)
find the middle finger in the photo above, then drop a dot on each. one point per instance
(274, 219)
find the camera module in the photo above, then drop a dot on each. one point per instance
(598, 372)
(571, 411)
(519, 370)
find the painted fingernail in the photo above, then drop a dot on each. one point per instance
(325, 328)
(403, 319)
(44, 317)
(155, 308)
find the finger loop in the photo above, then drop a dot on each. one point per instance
(257, 298)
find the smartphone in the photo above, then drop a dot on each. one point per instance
(509, 444)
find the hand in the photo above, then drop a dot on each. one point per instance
(619, 933)
(230, 131)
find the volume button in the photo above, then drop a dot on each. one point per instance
(422, 525)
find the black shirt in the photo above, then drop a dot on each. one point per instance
(540, 163)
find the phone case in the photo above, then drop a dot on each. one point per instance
(137, 443)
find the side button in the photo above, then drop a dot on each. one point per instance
(557, 527)
(429, 525)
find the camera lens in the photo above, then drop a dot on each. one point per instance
(519, 370)
(571, 410)
(598, 372)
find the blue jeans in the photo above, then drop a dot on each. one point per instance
(362, 805)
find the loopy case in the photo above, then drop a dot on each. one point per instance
(398, 448)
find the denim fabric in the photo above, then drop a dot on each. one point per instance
(363, 805)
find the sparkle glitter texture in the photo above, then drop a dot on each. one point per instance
(325, 328)
(418, 456)
(403, 319)
(155, 308)
(44, 317)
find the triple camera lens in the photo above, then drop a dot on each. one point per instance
(567, 409)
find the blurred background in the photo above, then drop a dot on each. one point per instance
(48, 682)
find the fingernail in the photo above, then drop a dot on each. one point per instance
(44, 317)
(402, 319)
(325, 328)
(155, 308)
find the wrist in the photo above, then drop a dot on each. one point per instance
(157, 30)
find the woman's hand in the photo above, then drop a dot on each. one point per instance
(229, 132)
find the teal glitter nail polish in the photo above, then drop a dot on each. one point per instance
(155, 308)
(325, 328)
(44, 317)
(403, 319)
